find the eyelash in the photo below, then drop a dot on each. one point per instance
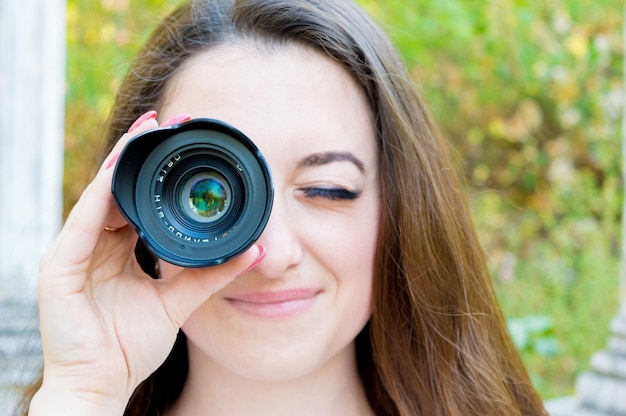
(332, 194)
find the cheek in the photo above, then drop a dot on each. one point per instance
(360, 248)
(346, 246)
(354, 254)
(351, 263)
(355, 239)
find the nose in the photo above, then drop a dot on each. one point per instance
(281, 240)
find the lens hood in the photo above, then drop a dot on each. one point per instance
(198, 193)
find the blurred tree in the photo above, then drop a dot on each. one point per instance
(527, 90)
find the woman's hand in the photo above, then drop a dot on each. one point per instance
(105, 324)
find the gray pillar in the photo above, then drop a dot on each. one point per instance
(32, 87)
(601, 391)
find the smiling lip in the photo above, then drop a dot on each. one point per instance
(280, 304)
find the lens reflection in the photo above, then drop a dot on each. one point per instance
(207, 196)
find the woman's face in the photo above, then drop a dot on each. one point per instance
(299, 310)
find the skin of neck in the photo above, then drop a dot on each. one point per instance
(333, 389)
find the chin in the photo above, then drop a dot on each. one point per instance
(273, 361)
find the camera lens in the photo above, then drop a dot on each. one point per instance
(205, 196)
(198, 193)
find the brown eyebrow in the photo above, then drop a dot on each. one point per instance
(319, 159)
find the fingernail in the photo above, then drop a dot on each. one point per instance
(147, 116)
(262, 252)
(112, 161)
(178, 119)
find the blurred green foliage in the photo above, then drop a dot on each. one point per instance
(102, 38)
(530, 94)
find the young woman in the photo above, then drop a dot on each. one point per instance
(367, 292)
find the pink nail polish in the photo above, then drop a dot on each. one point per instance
(178, 119)
(112, 161)
(147, 116)
(262, 253)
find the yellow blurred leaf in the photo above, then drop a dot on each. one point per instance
(567, 91)
(115, 5)
(481, 173)
(72, 15)
(92, 36)
(497, 127)
(107, 32)
(577, 44)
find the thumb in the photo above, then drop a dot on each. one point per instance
(186, 291)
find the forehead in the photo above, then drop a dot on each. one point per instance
(291, 98)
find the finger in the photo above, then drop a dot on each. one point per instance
(86, 221)
(95, 208)
(113, 254)
(185, 292)
(144, 123)
(181, 118)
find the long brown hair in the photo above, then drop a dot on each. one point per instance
(436, 343)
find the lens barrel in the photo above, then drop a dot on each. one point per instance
(197, 193)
